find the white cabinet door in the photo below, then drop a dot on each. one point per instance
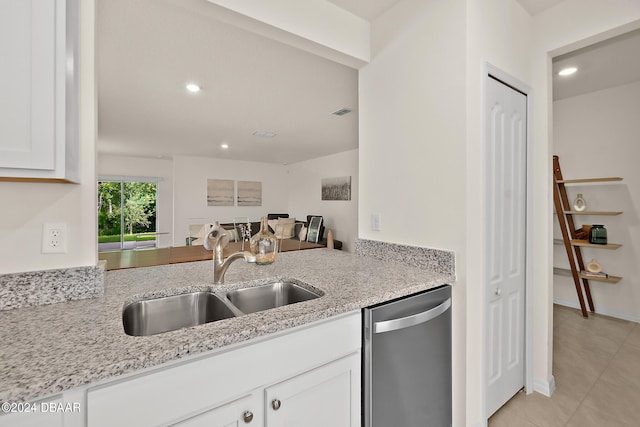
(326, 396)
(38, 83)
(27, 83)
(246, 411)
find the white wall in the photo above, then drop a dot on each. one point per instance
(499, 33)
(190, 176)
(303, 180)
(596, 135)
(293, 189)
(142, 167)
(412, 161)
(565, 27)
(27, 206)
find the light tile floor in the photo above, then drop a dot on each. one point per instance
(596, 365)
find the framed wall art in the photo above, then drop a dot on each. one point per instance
(336, 188)
(249, 193)
(220, 192)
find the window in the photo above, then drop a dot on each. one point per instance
(127, 213)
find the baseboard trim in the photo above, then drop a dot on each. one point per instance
(624, 316)
(546, 387)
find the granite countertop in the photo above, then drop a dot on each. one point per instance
(51, 348)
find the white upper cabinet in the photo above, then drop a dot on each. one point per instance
(39, 86)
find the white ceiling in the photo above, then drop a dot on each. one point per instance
(147, 50)
(367, 9)
(536, 6)
(607, 64)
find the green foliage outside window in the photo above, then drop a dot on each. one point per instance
(139, 207)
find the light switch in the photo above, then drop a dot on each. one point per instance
(375, 222)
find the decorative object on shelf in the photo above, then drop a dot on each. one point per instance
(249, 193)
(579, 204)
(215, 232)
(220, 192)
(336, 188)
(247, 234)
(330, 239)
(583, 233)
(598, 235)
(241, 228)
(594, 267)
(264, 244)
(313, 232)
(303, 234)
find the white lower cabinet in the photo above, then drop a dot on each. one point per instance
(326, 396)
(307, 376)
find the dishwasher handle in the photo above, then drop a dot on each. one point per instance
(415, 319)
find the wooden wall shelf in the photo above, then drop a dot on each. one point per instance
(588, 180)
(605, 213)
(572, 245)
(586, 244)
(610, 279)
(567, 273)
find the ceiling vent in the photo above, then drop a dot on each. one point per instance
(342, 111)
(264, 134)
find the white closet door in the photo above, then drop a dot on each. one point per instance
(504, 283)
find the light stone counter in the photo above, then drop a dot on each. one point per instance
(51, 348)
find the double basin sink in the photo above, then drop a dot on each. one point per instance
(157, 315)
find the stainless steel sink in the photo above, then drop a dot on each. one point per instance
(154, 316)
(259, 298)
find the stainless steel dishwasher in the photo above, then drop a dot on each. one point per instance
(407, 361)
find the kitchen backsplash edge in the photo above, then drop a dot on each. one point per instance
(435, 260)
(32, 288)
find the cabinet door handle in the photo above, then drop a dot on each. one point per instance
(247, 416)
(275, 404)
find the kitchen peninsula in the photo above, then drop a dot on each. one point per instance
(69, 348)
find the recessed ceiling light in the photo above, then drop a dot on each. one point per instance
(224, 146)
(193, 88)
(264, 134)
(567, 71)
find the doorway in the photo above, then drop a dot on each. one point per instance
(126, 214)
(505, 279)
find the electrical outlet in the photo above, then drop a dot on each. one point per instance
(54, 238)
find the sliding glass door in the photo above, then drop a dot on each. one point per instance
(126, 214)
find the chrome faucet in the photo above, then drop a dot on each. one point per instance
(217, 239)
